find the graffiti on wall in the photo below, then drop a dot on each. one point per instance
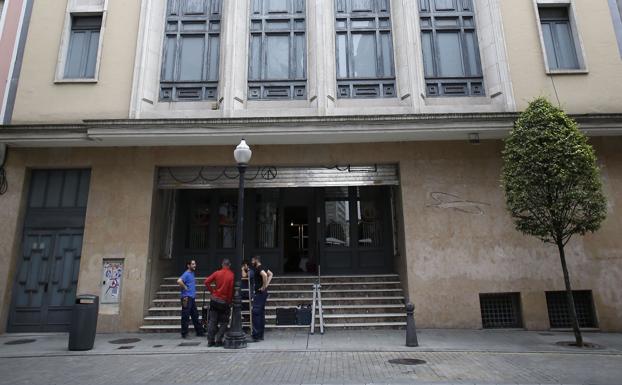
(112, 279)
(454, 202)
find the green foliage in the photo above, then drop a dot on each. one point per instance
(551, 180)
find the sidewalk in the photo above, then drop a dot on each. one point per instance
(338, 357)
(430, 340)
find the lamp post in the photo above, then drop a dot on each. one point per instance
(235, 337)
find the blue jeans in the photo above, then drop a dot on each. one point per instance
(189, 310)
(259, 313)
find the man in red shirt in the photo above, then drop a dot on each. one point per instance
(220, 303)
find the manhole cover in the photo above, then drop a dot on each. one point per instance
(546, 334)
(20, 342)
(573, 344)
(157, 346)
(190, 344)
(406, 361)
(123, 341)
(126, 347)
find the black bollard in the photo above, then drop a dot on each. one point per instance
(411, 330)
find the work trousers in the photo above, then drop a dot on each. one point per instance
(189, 310)
(219, 312)
(259, 313)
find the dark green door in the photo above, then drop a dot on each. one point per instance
(44, 287)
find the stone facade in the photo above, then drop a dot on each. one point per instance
(448, 254)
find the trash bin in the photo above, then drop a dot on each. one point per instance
(83, 322)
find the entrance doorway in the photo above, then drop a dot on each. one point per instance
(45, 285)
(296, 248)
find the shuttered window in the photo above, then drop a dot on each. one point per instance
(83, 46)
(559, 44)
(191, 51)
(277, 51)
(364, 49)
(451, 58)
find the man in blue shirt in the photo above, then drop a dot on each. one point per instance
(188, 305)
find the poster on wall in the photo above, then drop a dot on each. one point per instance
(112, 281)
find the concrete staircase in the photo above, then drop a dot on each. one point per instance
(353, 302)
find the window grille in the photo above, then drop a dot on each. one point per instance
(191, 52)
(277, 52)
(500, 310)
(559, 314)
(364, 49)
(83, 47)
(451, 58)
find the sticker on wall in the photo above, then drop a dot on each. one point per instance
(455, 202)
(112, 279)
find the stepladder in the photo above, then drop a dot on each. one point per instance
(317, 304)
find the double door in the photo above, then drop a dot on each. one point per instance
(45, 285)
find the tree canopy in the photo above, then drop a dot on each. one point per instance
(551, 180)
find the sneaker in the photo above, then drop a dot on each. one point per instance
(184, 336)
(210, 344)
(218, 343)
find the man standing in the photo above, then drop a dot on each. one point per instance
(262, 280)
(188, 305)
(220, 303)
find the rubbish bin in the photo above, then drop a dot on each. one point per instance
(83, 322)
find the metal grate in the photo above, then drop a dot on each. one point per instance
(500, 310)
(559, 314)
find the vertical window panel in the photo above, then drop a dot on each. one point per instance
(559, 44)
(191, 53)
(364, 49)
(81, 59)
(449, 52)
(277, 50)
(451, 58)
(277, 57)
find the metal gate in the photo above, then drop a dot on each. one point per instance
(45, 285)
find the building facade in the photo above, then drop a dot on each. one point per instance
(376, 128)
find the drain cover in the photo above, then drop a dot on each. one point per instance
(20, 342)
(122, 341)
(157, 346)
(546, 334)
(126, 347)
(406, 361)
(190, 344)
(573, 344)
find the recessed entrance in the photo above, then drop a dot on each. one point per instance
(296, 247)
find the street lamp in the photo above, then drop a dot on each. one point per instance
(235, 337)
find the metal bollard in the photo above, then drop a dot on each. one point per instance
(411, 330)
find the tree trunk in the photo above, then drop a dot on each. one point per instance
(570, 298)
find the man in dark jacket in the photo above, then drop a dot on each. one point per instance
(220, 303)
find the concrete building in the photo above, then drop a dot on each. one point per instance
(376, 123)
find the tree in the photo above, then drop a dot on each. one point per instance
(552, 183)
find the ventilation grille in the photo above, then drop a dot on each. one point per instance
(559, 314)
(500, 310)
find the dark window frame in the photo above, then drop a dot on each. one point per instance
(495, 318)
(261, 86)
(383, 84)
(549, 22)
(87, 25)
(584, 302)
(471, 82)
(173, 88)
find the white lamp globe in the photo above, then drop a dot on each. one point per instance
(242, 153)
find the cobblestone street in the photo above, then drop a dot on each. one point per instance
(225, 367)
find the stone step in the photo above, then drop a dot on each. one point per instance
(326, 316)
(309, 286)
(288, 302)
(303, 293)
(328, 309)
(312, 278)
(175, 328)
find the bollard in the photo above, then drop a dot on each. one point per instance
(411, 330)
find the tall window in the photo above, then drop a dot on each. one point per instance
(559, 44)
(81, 59)
(277, 52)
(451, 57)
(191, 50)
(364, 49)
